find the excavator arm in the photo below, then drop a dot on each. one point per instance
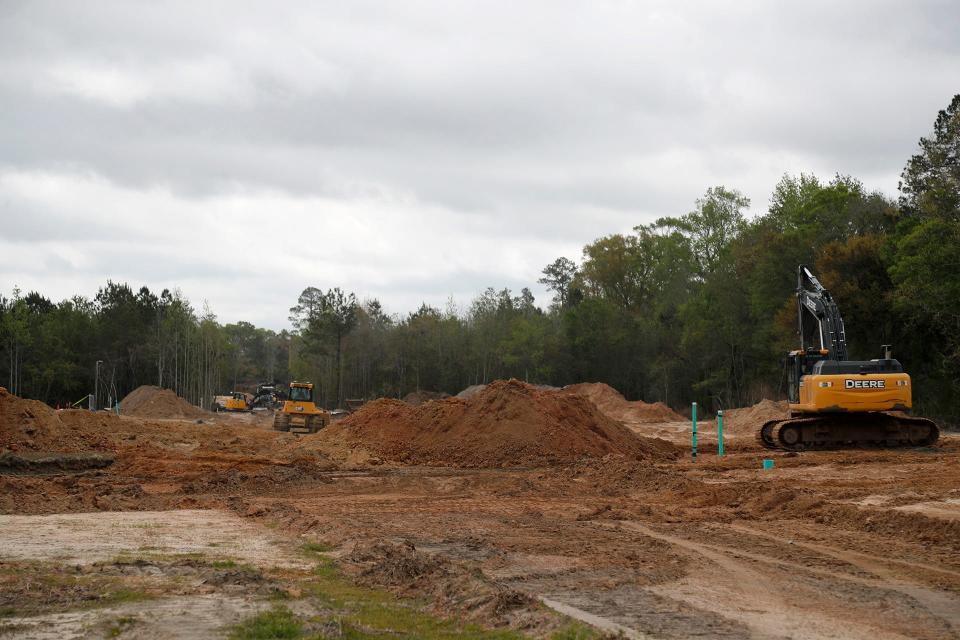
(820, 323)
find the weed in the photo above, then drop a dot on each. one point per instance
(224, 564)
(278, 622)
(316, 547)
(575, 631)
(120, 625)
(121, 595)
(361, 612)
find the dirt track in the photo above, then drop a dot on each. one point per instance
(737, 553)
(827, 545)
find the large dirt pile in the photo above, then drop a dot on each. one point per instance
(613, 404)
(509, 423)
(417, 398)
(471, 391)
(30, 425)
(148, 401)
(475, 389)
(749, 420)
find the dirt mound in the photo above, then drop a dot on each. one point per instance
(748, 420)
(148, 401)
(475, 389)
(471, 391)
(613, 404)
(417, 398)
(509, 423)
(30, 425)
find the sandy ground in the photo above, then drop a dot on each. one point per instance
(188, 559)
(86, 538)
(844, 544)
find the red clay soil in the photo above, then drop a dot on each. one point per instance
(30, 425)
(148, 401)
(509, 423)
(612, 403)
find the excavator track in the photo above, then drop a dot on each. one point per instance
(848, 431)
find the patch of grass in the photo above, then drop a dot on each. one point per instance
(39, 587)
(315, 547)
(120, 625)
(576, 631)
(121, 595)
(278, 622)
(345, 609)
(361, 612)
(224, 564)
(279, 595)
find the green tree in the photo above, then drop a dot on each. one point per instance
(930, 183)
(557, 277)
(327, 323)
(715, 221)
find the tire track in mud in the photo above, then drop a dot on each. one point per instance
(939, 603)
(786, 602)
(604, 624)
(859, 559)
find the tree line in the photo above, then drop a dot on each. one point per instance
(694, 307)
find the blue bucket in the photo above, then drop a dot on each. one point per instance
(767, 464)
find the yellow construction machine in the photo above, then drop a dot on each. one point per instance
(836, 402)
(299, 414)
(235, 401)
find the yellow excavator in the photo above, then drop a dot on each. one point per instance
(235, 401)
(836, 402)
(299, 414)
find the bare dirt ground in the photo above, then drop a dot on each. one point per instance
(842, 544)
(157, 574)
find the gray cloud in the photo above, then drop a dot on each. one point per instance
(423, 150)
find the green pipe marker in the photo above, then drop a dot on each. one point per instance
(720, 433)
(694, 430)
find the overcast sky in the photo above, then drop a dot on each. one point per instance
(417, 151)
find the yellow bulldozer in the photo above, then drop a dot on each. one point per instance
(299, 413)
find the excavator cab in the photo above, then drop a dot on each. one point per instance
(798, 364)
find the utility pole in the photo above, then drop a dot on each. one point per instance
(96, 384)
